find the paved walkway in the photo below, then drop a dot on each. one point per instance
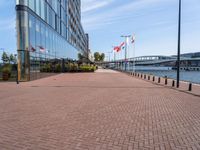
(97, 111)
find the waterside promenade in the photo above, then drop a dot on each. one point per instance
(106, 110)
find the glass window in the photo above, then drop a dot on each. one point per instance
(54, 5)
(43, 35)
(22, 29)
(38, 6)
(38, 40)
(53, 20)
(58, 25)
(22, 2)
(31, 4)
(47, 14)
(31, 33)
(43, 9)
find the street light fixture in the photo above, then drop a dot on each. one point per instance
(126, 38)
(179, 46)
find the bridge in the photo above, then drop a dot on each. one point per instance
(157, 60)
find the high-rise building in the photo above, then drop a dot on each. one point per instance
(47, 30)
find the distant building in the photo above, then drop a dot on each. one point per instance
(47, 30)
(191, 55)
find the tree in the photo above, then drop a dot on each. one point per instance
(80, 56)
(12, 59)
(99, 57)
(96, 56)
(102, 57)
(5, 57)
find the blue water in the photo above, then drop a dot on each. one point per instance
(189, 76)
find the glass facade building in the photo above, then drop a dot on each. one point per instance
(47, 30)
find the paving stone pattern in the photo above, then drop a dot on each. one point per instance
(97, 111)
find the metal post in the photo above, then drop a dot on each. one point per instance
(166, 80)
(179, 46)
(126, 38)
(63, 65)
(17, 80)
(125, 54)
(190, 87)
(173, 83)
(159, 80)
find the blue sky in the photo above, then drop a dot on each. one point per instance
(7, 26)
(154, 22)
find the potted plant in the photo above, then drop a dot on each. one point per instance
(6, 73)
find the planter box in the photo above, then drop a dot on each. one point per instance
(5, 76)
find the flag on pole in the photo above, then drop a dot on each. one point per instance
(116, 48)
(42, 49)
(32, 49)
(122, 46)
(133, 39)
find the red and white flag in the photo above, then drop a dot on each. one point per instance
(42, 49)
(116, 48)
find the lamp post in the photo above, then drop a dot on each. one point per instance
(109, 58)
(126, 38)
(114, 53)
(17, 80)
(179, 46)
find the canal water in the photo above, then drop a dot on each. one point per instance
(189, 76)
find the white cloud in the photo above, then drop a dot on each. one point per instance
(90, 5)
(123, 12)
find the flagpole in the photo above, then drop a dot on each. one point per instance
(134, 50)
(126, 38)
(179, 46)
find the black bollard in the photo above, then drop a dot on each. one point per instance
(145, 76)
(153, 78)
(190, 87)
(148, 77)
(159, 80)
(173, 83)
(141, 76)
(165, 80)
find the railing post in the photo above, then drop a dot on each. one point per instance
(159, 80)
(190, 87)
(165, 80)
(173, 83)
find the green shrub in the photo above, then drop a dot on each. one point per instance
(6, 70)
(46, 68)
(74, 67)
(58, 68)
(87, 68)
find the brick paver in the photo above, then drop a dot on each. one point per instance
(97, 111)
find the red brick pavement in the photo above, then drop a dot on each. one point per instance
(100, 111)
